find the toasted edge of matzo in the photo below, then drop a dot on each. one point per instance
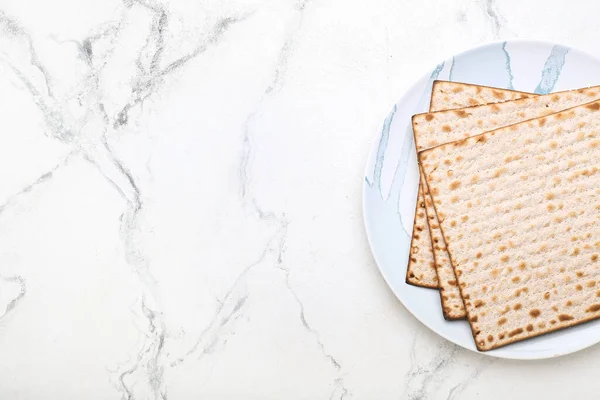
(421, 269)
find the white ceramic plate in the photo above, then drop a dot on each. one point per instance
(391, 178)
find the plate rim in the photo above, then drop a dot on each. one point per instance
(415, 82)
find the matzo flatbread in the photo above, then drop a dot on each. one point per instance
(442, 127)
(449, 95)
(519, 208)
(445, 95)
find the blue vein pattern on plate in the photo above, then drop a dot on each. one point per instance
(507, 66)
(552, 69)
(397, 236)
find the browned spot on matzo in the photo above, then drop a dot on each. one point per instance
(593, 106)
(499, 95)
(565, 317)
(515, 332)
(454, 185)
(593, 308)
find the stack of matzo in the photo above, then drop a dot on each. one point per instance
(444, 96)
(516, 251)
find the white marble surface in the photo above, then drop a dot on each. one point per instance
(180, 199)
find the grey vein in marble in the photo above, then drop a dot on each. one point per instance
(482, 364)
(148, 81)
(89, 136)
(12, 27)
(489, 7)
(275, 84)
(108, 32)
(150, 355)
(339, 391)
(288, 46)
(45, 177)
(19, 280)
(230, 306)
(419, 378)
(149, 358)
(245, 160)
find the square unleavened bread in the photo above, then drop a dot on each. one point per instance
(450, 95)
(519, 208)
(433, 129)
(445, 95)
